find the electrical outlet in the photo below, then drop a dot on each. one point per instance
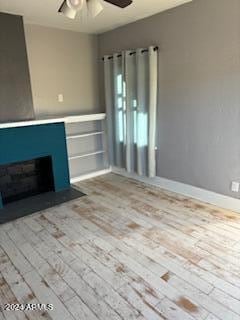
(60, 97)
(235, 186)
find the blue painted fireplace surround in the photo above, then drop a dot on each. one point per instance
(20, 144)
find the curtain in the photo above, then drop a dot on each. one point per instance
(131, 102)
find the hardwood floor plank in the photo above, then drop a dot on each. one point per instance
(79, 310)
(46, 296)
(231, 303)
(111, 297)
(137, 300)
(172, 311)
(13, 253)
(171, 264)
(207, 302)
(85, 292)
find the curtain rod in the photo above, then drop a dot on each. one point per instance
(131, 53)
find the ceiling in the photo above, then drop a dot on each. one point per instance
(44, 12)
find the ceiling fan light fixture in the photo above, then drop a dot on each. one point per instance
(94, 7)
(69, 8)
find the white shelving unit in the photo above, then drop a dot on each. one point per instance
(87, 146)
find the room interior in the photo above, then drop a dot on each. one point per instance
(119, 165)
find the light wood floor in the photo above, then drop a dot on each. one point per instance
(125, 251)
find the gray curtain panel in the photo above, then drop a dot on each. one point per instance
(131, 102)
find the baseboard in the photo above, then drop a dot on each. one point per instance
(91, 175)
(210, 197)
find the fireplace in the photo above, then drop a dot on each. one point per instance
(25, 179)
(34, 173)
(33, 159)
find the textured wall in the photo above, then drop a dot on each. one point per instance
(62, 62)
(199, 89)
(15, 88)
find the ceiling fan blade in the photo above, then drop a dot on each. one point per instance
(94, 7)
(120, 3)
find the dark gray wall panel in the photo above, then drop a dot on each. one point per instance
(15, 87)
(199, 89)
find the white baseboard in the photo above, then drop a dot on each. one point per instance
(213, 198)
(91, 175)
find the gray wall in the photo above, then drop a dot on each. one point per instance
(62, 62)
(15, 88)
(199, 89)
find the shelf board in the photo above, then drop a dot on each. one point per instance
(83, 135)
(90, 175)
(84, 155)
(85, 118)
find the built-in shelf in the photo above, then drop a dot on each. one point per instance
(87, 146)
(77, 136)
(84, 155)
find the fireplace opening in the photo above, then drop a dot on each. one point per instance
(25, 179)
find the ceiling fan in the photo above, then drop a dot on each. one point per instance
(70, 8)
